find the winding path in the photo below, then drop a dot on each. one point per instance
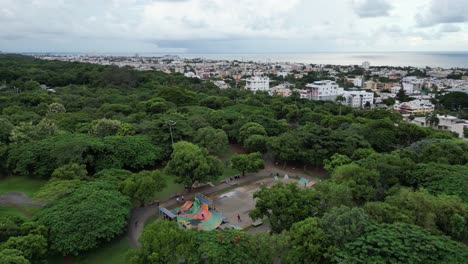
(139, 216)
(18, 199)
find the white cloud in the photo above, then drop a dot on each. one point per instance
(443, 11)
(228, 26)
(372, 8)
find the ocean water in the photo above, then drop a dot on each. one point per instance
(416, 59)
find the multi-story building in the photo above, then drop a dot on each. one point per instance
(324, 90)
(258, 83)
(446, 122)
(415, 107)
(358, 98)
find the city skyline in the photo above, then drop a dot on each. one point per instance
(215, 26)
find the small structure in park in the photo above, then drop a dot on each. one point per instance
(198, 214)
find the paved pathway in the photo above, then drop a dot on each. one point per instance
(17, 199)
(140, 215)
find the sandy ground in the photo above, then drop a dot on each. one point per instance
(240, 201)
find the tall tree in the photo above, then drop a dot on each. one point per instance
(252, 162)
(80, 221)
(191, 164)
(214, 140)
(143, 186)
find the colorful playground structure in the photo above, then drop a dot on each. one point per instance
(199, 214)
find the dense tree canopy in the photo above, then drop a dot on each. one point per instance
(93, 213)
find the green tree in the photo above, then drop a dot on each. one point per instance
(284, 205)
(55, 108)
(432, 119)
(309, 243)
(93, 213)
(5, 130)
(162, 242)
(401, 243)
(256, 143)
(364, 183)
(70, 171)
(12, 256)
(191, 164)
(252, 162)
(401, 96)
(214, 140)
(343, 224)
(56, 189)
(105, 127)
(221, 246)
(32, 247)
(143, 186)
(335, 161)
(250, 129)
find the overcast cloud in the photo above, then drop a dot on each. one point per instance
(233, 26)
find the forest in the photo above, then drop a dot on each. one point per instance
(106, 139)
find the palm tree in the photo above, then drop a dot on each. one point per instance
(340, 99)
(432, 119)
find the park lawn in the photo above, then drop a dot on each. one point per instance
(171, 188)
(12, 211)
(20, 184)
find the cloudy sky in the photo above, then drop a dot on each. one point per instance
(233, 26)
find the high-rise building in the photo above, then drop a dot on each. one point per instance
(258, 83)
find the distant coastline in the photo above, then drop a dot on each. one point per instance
(444, 59)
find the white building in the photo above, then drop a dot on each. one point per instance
(324, 90)
(446, 122)
(415, 107)
(221, 84)
(366, 65)
(258, 83)
(358, 99)
(358, 81)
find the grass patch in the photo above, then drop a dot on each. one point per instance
(171, 188)
(12, 211)
(21, 184)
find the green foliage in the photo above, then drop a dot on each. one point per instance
(309, 243)
(55, 108)
(70, 171)
(12, 256)
(93, 213)
(335, 161)
(252, 162)
(191, 164)
(5, 130)
(214, 140)
(162, 242)
(364, 183)
(55, 189)
(250, 129)
(454, 100)
(142, 187)
(344, 224)
(256, 143)
(105, 127)
(223, 246)
(441, 214)
(284, 205)
(32, 247)
(401, 243)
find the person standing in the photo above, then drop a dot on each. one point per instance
(182, 198)
(177, 199)
(239, 218)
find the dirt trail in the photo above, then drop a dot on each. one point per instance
(18, 199)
